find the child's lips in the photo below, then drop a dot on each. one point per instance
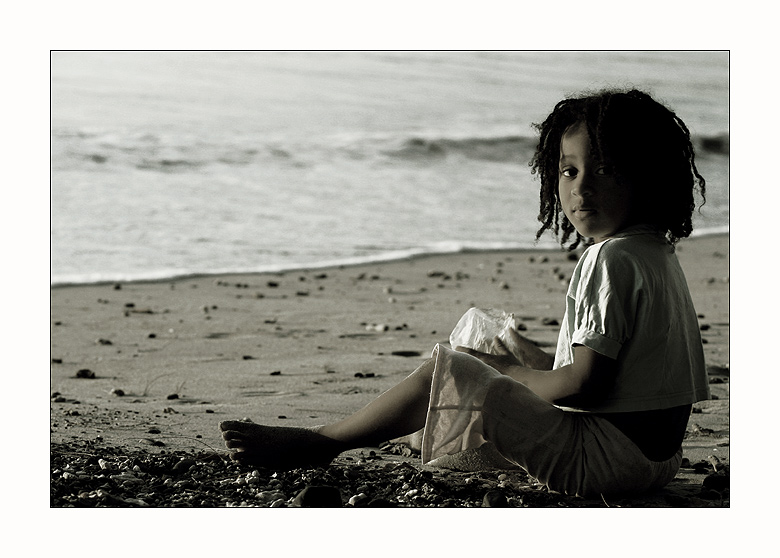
(584, 211)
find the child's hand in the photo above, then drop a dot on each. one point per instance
(526, 351)
(501, 358)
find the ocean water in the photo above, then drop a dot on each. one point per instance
(166, 164)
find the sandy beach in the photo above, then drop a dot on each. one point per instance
(153, 367)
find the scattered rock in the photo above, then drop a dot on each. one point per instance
(495, 499)
(358, 499)
(318, 497)
(80, 470)
(701, 431)
(183, 466)
(406, 353)
(85, 373)
(716, 481)
(117, 392)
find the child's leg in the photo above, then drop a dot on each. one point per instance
(397, 412)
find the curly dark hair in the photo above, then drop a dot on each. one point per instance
(645, 143)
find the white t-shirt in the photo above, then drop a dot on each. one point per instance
(628, 299)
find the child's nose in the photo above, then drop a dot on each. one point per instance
(582, 187)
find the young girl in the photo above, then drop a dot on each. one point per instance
(608, 414)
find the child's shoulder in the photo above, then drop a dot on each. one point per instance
(630, 248)
(640, 238)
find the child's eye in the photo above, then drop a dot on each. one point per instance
(604, 170)
(569, 172)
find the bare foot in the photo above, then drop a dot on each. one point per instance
(278, 447)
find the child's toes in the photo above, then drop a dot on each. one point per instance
(234, 443)
(230, 425)
(238, 456)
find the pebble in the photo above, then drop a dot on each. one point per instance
(406, 353)
(318, 497)
(183, 466)
(270, 496)
(357, 499)
(85, 373)
(716, 481)
(381, 503)
(494, 499)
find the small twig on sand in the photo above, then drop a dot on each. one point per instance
(150, 382)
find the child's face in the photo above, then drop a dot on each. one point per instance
(592, 199)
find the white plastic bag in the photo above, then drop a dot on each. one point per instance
(479, 326)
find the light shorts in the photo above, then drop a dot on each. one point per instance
(570, 452)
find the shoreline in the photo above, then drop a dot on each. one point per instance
(377, 259)
(172, 358)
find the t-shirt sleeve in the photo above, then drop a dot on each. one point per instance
(606, 300)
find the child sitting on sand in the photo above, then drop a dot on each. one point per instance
(608, 413)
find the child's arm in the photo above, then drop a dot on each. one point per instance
(588, 378)
(526, 351)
